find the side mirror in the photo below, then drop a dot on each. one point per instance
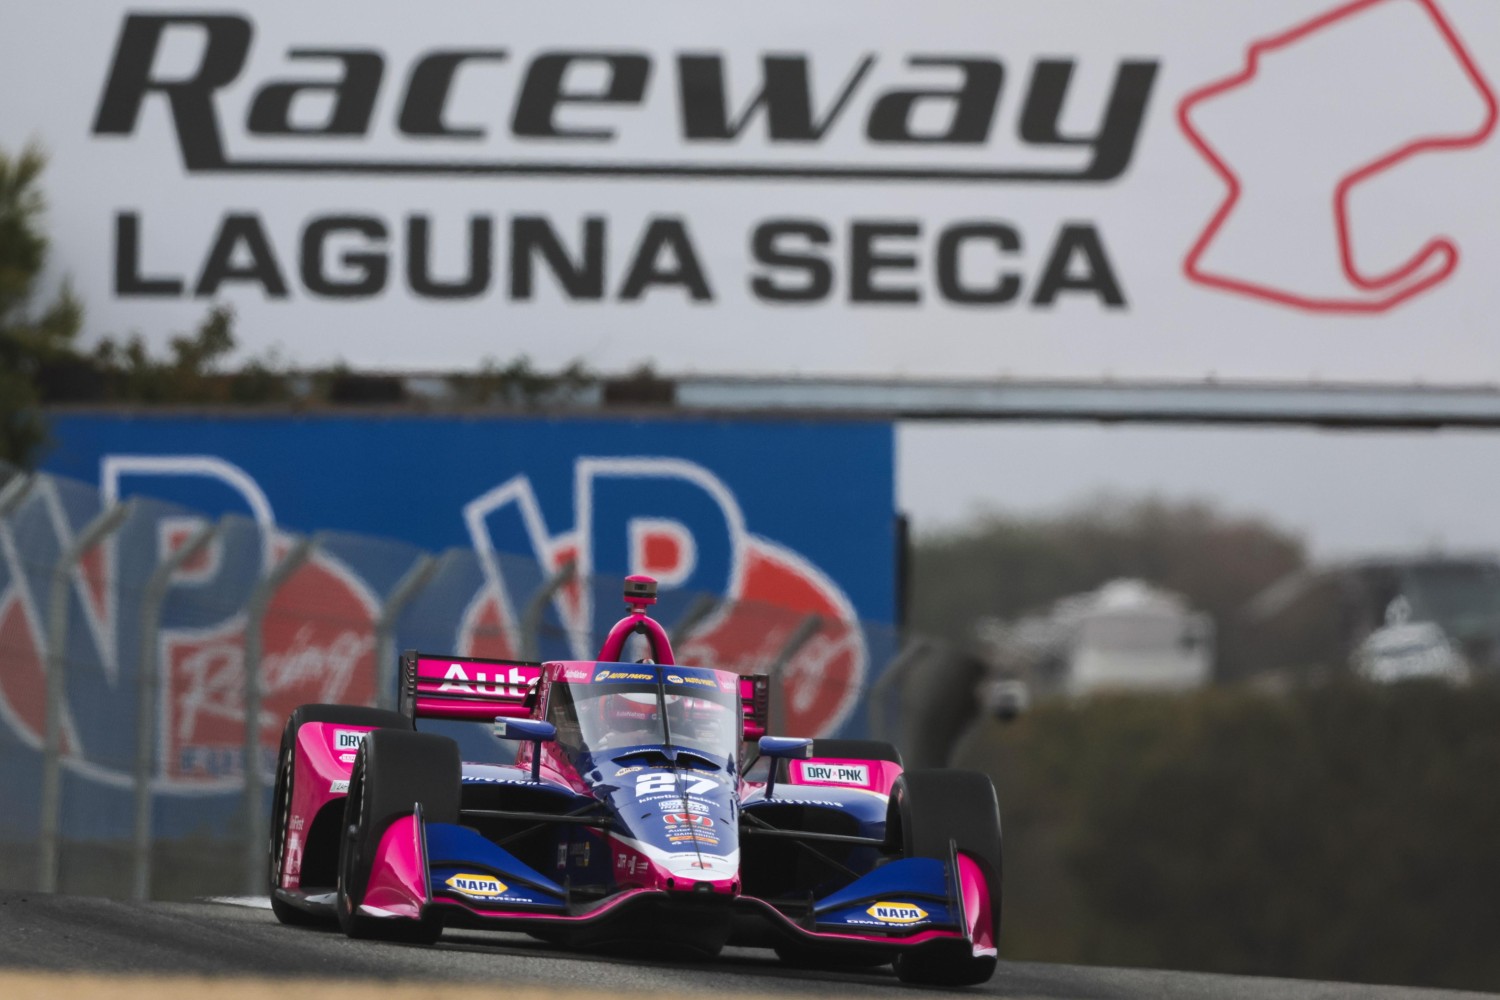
(536, 730)
(786, 747)
(783, 748)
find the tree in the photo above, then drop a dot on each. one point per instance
(1005, 566)
(28, 342)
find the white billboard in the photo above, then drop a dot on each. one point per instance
(1035, 188)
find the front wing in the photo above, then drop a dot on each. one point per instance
(452, 874)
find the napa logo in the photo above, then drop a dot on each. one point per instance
(480, 886)
(897, 913)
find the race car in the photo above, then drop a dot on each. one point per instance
(646, 809)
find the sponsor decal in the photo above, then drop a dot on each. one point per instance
(623, 675)
(348, 739)
(347, 758)
(628, 770)
(340, 787)
(840, 774)
(680, 836)
(296, 823)
(576, 674)
(688, 819)
(477, 886)
(681, 805)
(700, 681)
(504, 683)
(897, 913)
(806, 802)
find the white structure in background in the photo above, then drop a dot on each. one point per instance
(1125, 636)
(1403, 649)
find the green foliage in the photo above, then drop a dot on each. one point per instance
(27, 343)
(518, 384)
(192, 373)
(1344, 832)
(1007, 565)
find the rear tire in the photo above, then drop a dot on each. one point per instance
(930, 811)
(281, 799)
(394, 773)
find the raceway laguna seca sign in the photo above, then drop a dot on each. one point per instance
(1155, 188)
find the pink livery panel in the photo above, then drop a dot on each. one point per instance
(466, 688)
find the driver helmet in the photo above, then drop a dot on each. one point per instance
(630, 718)
(697, 718)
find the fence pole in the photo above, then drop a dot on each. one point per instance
(57, 668)
(776, 710)
(894, 675)
(16, 489)
(260, 602)
(149, 678)
(703, 606)
(385, 653)
(536, 606)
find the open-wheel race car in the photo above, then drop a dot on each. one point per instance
(646, 808)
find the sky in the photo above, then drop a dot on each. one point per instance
(1346, 493)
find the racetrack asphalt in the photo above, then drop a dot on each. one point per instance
(42, 935)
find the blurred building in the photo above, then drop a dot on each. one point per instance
(1127, 635)
(1386, 619)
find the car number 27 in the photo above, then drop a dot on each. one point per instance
(651, 784)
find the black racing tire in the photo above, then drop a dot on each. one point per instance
(394, 773)
(931, 810)
(343, 715)
(858, 750)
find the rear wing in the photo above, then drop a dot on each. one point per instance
(470, 689)
(465, 688)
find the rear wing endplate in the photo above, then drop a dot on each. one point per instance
(755, 696)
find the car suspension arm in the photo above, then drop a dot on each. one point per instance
(761, 828)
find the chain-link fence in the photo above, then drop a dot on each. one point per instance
(126, 629)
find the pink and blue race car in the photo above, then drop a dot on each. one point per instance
(646, 808)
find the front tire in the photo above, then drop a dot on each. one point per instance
(394, 774)
(930, 812)
(281, 799)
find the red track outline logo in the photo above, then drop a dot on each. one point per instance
(1438, 248)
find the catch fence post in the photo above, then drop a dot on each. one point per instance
(776, 710)
(881, 724)
(409, 586)
(260, 602)
(697, 613)
(148, 682)
(15, 490)
(56, 687)
(536, 606)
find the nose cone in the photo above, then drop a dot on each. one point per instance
(702, 868)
